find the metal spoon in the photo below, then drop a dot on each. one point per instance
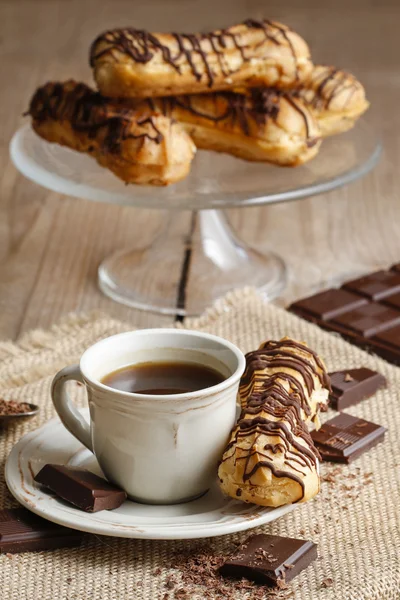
(6, 419)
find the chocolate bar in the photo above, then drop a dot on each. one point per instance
(23, 531)
(353, 385)
(80, 487)
(365, 311)
(344, 438)
(270, 559)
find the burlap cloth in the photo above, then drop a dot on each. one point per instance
(355, 519)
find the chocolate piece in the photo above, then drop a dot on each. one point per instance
(270, 559)
(365, 311)
(344, 438)
(375, 286)
(353, 385)
(81, 488)
(23, 531)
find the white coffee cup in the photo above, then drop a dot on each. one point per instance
(159, 449)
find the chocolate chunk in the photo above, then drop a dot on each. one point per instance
(81, 488)
(270, 559)
(365, 311)
(327, 305)
(23, 531)
(353, 385)
(375, 286)
(344, 438)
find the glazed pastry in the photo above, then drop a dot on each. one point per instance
(270, 459)
(336, 98)
(265, 125)
(147, 149)
(135, 63)
(291, 366)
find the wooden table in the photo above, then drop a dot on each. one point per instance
(50, 246)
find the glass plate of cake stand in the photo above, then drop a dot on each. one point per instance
(183, 272)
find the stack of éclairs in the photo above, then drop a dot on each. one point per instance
(250, 90)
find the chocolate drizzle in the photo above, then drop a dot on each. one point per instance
(268, 27)
(237, 108)
(273, 416)
(87, 111)
(320, 94)
(142, 46)
(260, 105)
(277, 355)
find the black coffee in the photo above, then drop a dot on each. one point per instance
(163, 378)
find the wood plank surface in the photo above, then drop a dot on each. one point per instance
(50, 245)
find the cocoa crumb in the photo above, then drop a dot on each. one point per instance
(281, 585)
(329, 478)
(328, 582)
(347, 488)
(170, 583)
(348, 377)
(10, 556)
(336, 471)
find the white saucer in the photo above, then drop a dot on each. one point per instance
(208, 516)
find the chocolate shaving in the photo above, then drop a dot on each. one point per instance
(196, 572)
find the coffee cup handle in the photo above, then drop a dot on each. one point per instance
(66, 410)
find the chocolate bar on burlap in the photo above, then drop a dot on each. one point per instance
(365, 311)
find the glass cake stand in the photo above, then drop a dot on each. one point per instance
(184, 271)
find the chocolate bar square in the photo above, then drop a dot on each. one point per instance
(344, 438)
(375, 286)
(23, 531)
(353, 385)
(80, 487)
(328, 304)
(270, 559)
(393, 300)
(369, 319)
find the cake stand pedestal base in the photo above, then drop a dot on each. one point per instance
(183, 272)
